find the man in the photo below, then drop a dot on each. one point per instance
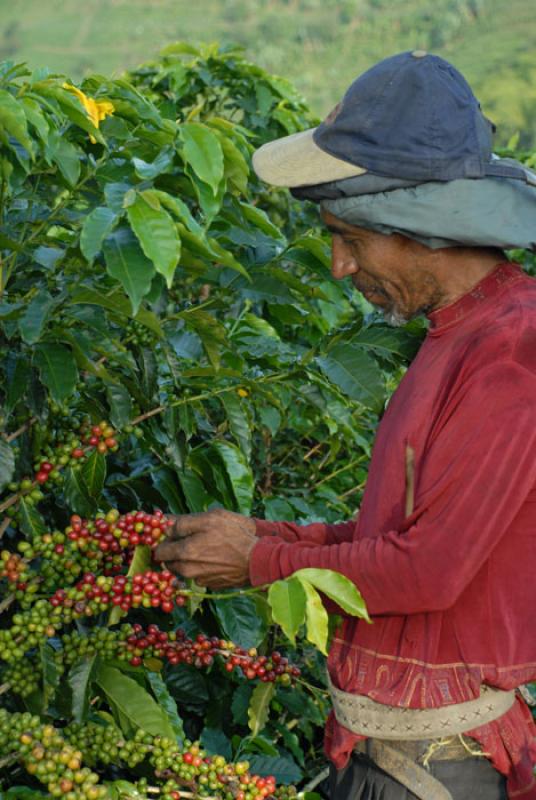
(443, 549)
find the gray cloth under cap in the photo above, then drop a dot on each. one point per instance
(484, 212)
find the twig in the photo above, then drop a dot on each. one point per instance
(27, 425)
(4, 525)
(5, 687)
(316, 780)
(9, 759)
(350, 492)
(312, 451)
(338, 471)
(6, 603)
(14, 498)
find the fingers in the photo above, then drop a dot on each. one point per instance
(187, 524)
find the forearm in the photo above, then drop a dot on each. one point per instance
(319, 533)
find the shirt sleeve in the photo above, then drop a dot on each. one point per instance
(476, 473)
(315, 533)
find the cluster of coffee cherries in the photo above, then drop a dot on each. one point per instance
(94, 594)
(139, 334)
(58, 558)
(175, 768)
(70, 450)
(135, 644)
(47, 756)
(30, 627)
(22, 677)
(13, 567)
(177, 648)
(102, 437)
(114, 533)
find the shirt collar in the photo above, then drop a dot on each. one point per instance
(492, 285)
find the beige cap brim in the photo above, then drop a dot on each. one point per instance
(296, 160)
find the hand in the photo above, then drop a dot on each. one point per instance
(213, 548)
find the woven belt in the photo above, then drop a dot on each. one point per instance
(366, 717)
(403, 769)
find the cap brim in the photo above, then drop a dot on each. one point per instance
(296, 160)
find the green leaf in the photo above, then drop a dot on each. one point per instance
(77, 494)
(165, 481)
(119, 305)
(355, 373)
(338, 588)
(260, 219)
(135, 703)
(166, 701)
(51, 673)
(202, 152)
(284, 770)
(126, 262)
(291, 741)
(316, 617)
(120, 404)
(13, 120)
(65, 155)
(32, 322)
(216, 743)
(156, 232)
(197, 497)
(392, 343)
(149, 171)
(240, 703)
(94, 473)
(210, 331)
(31, 522)
(127, 790)
(236, 166)
(58, 369)
(17, 383)
(238, 420)
(7, 463)
(181, 211)
(35, 117)
(80, 678)
(97, 225)
(240, 620)
(259, 707)
(239, 473)
(22, 793)
(287, 601)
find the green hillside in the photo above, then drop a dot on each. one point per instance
(321, 45)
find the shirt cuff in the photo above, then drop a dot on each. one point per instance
(262, 564)
(263, 527)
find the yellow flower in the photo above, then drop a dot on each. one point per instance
(242, 393)
(96, 110)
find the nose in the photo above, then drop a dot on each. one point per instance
(343, 261)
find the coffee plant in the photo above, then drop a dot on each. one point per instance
(171, 343)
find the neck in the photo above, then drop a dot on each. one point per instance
(458, 270)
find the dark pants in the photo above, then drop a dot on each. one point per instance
(469, 779)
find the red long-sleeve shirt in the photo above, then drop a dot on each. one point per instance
(451, 588)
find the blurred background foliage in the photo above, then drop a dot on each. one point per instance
(321, 45)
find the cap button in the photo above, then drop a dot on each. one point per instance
(419, 53)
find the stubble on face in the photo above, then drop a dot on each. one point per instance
(420, 295)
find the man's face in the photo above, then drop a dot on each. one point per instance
(387, 270)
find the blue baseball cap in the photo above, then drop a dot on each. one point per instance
(411, 116)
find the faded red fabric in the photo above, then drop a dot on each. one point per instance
(451, 588)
